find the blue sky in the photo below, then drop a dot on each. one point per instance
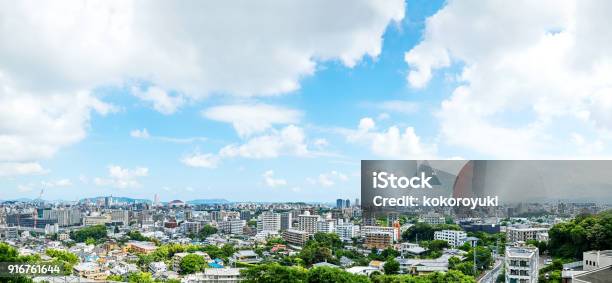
(286, 111)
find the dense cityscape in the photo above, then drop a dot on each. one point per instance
(129, 240)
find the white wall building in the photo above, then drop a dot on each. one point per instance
(347, 231)
(521, 263)
(308, 223)
(452, 237)
(596, 259)
(269, 221)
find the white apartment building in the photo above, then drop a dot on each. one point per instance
(347, 231)
(515, 234)
(433, 219)
(521, 263)
(394, 231)
(326, 226)
(232, 226)
(596, 259)
(308, 223)
(454, 238)
(269, 221)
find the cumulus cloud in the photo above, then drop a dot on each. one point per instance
(288, 141)
(248, 119)
(328, 179)
(183, 51)
(197, 159)
(34, 127)
(393, 143)
(119, 177)
(521, 92)
(20, 168)
(162, 101)
(271, 181)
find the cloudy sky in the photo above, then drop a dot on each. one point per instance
(279, 100)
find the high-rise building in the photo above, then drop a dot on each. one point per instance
(326, 226)
(108, 201)
(232, 226)
(120, 216)
(339, 203)
(245, 215)
(286, 221)
(347, 203)
(308, 223)
(521, 263)
(357, 202)
(269, 221)
(347, 231)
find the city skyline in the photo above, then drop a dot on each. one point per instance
(261, 103)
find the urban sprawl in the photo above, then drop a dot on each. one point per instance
(113, 239)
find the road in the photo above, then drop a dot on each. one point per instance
(491, 275)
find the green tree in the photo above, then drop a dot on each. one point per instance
(93, 232)
(333, 275)
(192, 263)
(273, 273)
(140, 277)
(207, 231)
(391, 266)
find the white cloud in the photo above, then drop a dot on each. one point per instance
(20, 168)
(197, 159)
(140, 134)
(391, 143)
(272, 182)
(289, 141)
(34, 127)
(57, 183)
(228, 47)
(122, 177)
(328, 179)
(144, 134)
(162, 101)
(60, 52)
(248, 119)
(521, 90)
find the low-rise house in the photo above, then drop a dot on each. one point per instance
(245, 256)
(89, 270)
(225, 275)
(157, 267)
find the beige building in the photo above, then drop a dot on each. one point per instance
(514, 234)
(378, 240)
(295, 237)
